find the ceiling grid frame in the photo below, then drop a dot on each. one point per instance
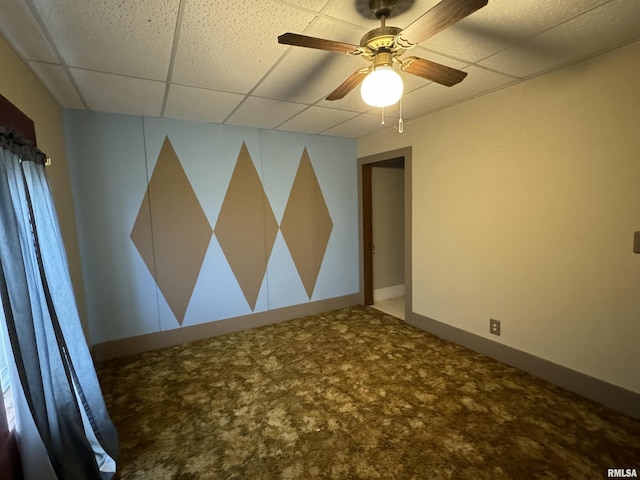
(281, 87)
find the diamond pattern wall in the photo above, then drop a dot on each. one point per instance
(171, 231)
(246, 228)
(306, 224)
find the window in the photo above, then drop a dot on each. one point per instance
(4, 375)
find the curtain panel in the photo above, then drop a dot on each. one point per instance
(59, 406)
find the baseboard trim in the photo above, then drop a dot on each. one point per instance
(168, 338)
(605, 393)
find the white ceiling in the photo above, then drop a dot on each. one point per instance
(220, 62)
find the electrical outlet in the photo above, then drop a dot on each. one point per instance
(494, 326)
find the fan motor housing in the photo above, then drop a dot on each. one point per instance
(380, 38)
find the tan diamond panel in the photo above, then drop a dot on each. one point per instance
(246, 227)
(142, 236)
(306, 225)
(181, 231)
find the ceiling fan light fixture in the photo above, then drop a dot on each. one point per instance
(382, 87)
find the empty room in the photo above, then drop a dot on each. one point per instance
(330, 239)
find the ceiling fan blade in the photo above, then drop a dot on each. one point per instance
(349, 84)
(298, 40)
(432, 71)
(444, 14)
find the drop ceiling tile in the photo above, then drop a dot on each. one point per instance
(362, 16)
(232, 48)
(433, 96)
(199, 104)
(263, 113)
(412, 82)
(315, 5)
(360, 126)
(523, 19)
(466, 41)
(59, 84)
(307, 75)
(22, 30)
(500, 23)
(128, 38)
(316, 119)
(595, 31)
(436, 57)
(352, 101)
(333, 30)
(104, 92)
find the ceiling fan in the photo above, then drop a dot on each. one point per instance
(385, 45)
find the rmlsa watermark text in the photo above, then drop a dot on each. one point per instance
(622, 473)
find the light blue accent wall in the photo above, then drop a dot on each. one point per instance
(111, 160)
(108, 175)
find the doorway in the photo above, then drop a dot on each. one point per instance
(385, 240)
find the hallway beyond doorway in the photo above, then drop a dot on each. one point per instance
(392, 306)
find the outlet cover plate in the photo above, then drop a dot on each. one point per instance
(494, 326)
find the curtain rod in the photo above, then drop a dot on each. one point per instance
(17, 144)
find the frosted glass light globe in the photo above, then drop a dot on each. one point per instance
(382, 87)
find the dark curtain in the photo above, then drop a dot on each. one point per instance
(54, 372)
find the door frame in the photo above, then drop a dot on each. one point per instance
(365, 164)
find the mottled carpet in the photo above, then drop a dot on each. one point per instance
(351, 394)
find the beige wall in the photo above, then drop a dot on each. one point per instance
(25, 91)
(525, 203)
(388, 226)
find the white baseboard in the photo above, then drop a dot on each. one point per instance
(382, 294)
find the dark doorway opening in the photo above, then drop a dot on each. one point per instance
(367, 166)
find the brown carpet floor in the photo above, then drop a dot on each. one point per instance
(351, 394)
